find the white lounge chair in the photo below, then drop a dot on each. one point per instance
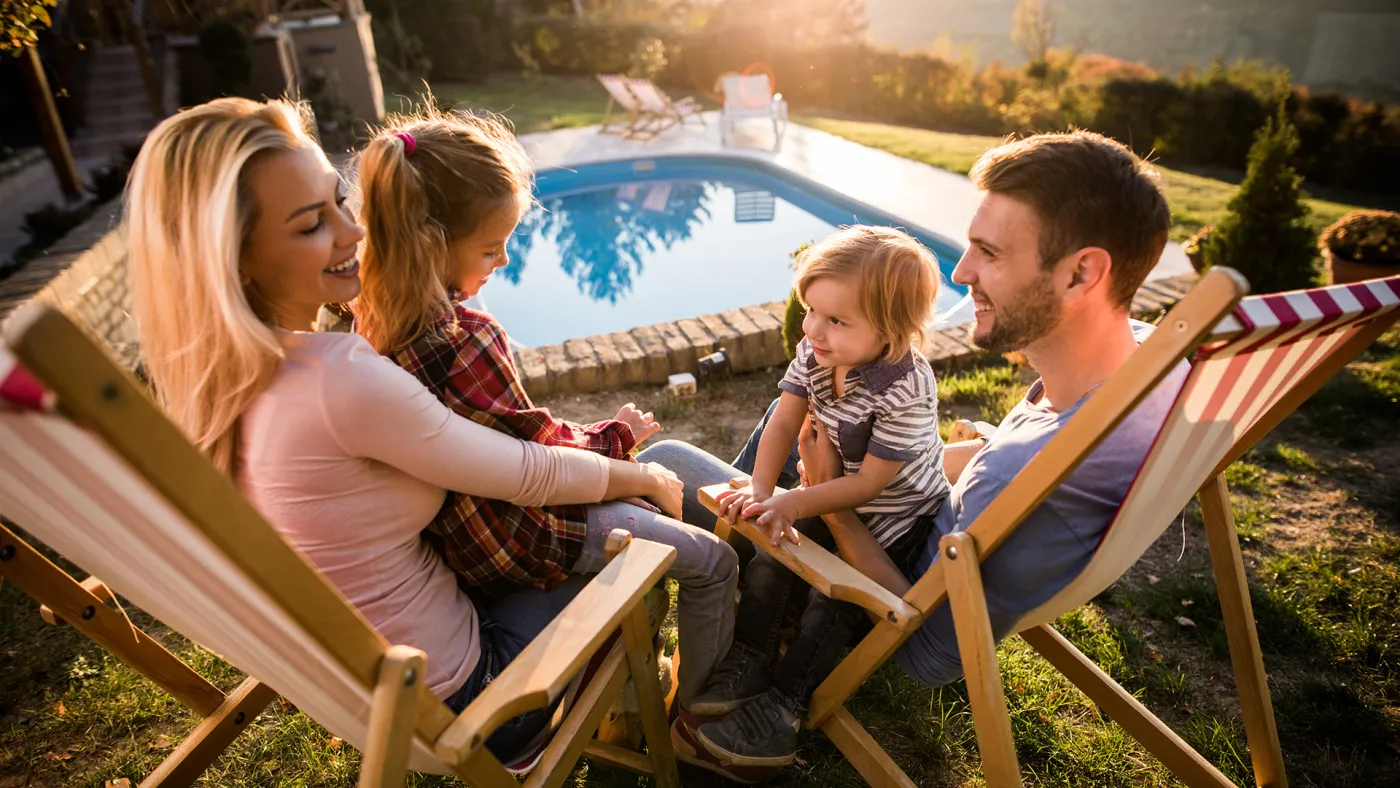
(619, 95)
(752, 97)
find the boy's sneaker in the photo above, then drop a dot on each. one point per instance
(689, 750)
(761, 733)
(737, 679)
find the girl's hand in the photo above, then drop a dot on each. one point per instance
(777, 514)
(732, 502)
(666, 489)
(643, 425)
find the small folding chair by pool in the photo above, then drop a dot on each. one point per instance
(1255, 361)
(662, 112)
(91, 467)
(621, 96)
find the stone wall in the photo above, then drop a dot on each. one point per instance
(85, 276)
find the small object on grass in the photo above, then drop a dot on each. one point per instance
(681, 385)
(711, 368)
(1185, 622)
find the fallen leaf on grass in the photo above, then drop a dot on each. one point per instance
(1153, 654)
(58, 756)
(1187, 602)
(1153, 580)
(1185, 622)
(335, 743)
(59, 709)
(120, 782)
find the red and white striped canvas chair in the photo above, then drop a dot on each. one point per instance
(91, 467)
(1255, 360)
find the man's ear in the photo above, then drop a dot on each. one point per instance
(1089, 272)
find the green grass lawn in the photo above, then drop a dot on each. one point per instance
(1195, 200)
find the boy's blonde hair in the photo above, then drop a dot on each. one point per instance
(206, 343)
(462, 167)
(896, 275)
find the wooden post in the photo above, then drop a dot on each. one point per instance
(55, 141)
(979, 657)
(392, 709)
(1260, 729)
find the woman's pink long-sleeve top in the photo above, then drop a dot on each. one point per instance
(350, 457)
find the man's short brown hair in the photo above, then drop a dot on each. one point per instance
(1087, 190)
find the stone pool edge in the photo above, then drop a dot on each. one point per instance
(751, 335)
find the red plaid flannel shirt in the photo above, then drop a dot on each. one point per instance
(484, 541)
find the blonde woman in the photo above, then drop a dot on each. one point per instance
(238, 233)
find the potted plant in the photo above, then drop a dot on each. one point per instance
(1195, 247)
(1362, 245)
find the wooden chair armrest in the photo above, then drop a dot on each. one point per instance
(544, 668)
(821, 569)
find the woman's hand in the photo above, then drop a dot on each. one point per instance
(643, 425)
(820, 463)
(732, 502)
(666, 490)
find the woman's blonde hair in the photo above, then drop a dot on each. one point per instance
(207, 346)
(417, 198)
(897, 277)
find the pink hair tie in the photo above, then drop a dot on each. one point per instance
(409, 143)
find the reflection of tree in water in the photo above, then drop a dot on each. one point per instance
(602, 237)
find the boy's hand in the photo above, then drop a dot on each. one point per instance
(643, 425)
(777, 514)
(732, 502)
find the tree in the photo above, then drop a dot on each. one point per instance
(1033, 28)
(1265, 235)
(20, 22)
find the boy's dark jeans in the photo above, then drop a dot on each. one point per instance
(826, 628)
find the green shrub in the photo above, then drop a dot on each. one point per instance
(1265, 235)
(1367, 237)
(792, 324)
(566, 45)
(453, 40)
(1134, 111)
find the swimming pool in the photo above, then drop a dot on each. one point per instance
(616, 245)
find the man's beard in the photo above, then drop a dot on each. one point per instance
(1021, 319)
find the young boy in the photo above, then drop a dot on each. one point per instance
(868, 291)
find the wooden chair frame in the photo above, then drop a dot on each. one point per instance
(957, 580)
(96, 394)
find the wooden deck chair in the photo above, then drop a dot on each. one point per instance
(619, 94)
(662, 113)
(92, 468)
(1255, 361)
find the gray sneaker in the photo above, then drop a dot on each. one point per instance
(737, 679)
(761, 733)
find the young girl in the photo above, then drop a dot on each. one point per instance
(868, 293)
(442, 194)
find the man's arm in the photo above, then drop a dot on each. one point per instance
(956, 456)
(820, 465)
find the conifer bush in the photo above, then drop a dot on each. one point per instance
(1265, 236)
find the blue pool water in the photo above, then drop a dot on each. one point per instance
(621, 244)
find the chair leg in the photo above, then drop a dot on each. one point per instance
(211, 737)
(641, 662)
(1135, 718)
(864, 753)
(1255, 705)
(979, 658)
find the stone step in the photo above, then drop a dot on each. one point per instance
(106, 125)
(103, 145)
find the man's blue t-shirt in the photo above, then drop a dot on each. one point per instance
(1056, 541)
